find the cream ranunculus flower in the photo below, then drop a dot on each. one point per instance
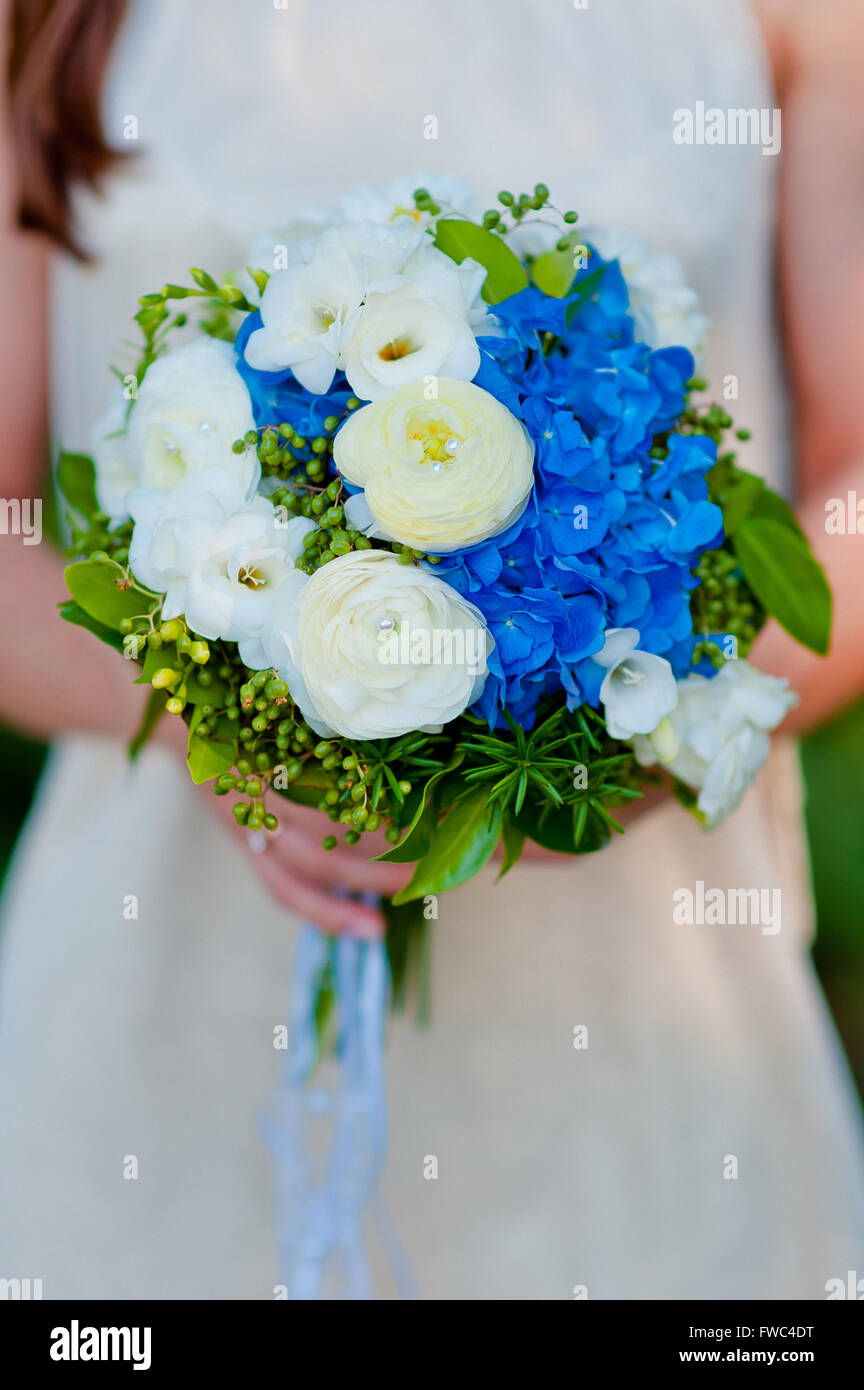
(371, 648)
(437, 475)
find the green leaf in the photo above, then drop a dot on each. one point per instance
(95, 588)
(772, 507)
(463, 842)
(514, 843)
(154, 659)
(418, 837)
(741, 494)
(555, 271)
(153, 711)
(206, 758)
(309, 788)
(76, 478)
(787, 579)
(505, 274)
(574, 829)
(198, 694)
(71, 612)
(739, 498)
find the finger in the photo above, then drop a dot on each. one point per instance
(334, 916)
(335, 867)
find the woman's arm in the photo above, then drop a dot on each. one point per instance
(818, 55)
(54, 677)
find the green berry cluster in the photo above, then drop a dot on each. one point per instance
(516, 206)
(99, 540)
(723, 603)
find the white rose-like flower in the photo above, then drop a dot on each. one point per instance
(440, 474)
(716, 738)
(423, 325)
(667, 312)
(638, 690)
(371, 648)
(114, 474)
(190, 407)
(218, 558)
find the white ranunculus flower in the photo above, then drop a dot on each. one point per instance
(218, 558)
(667, 312)
(638, 690)
(423, 326)
(718, 738)
(394, 202)
(372, 649)
(190, 407)
(440, 474)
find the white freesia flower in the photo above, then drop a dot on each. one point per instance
(718, 738)
(190, 407)
(638, 690)
(308, 309)
(394, 202)
(372, 649)
(218, 558)
(422, 326)
(667, 312)
(439, 474)
(305, 312)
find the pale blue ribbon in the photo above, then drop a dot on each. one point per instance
(319, 1223)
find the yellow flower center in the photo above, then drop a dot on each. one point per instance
(396, 348)
(440, 445)
(251, 577)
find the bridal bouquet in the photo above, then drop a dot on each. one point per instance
(419, 520)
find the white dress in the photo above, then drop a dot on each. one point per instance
(609, 1167)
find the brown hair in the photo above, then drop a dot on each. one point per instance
(58, 51)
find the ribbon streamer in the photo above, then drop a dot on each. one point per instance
(319, 1222)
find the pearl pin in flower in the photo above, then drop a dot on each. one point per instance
(452, 444)
(205, 427)
(386, 624)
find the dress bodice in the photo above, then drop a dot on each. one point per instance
(243, 114)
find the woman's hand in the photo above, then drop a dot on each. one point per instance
(311, 881)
